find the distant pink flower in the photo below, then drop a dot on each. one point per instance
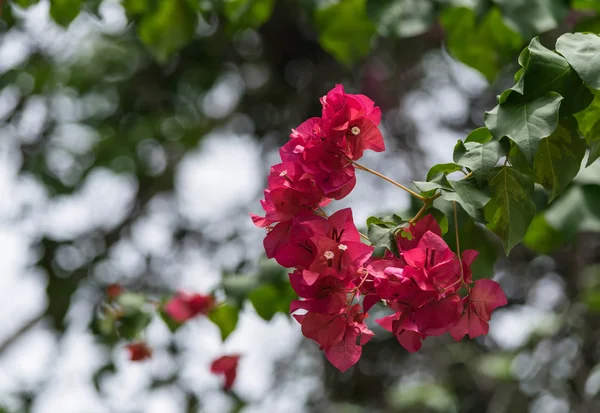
(139, 351)
(184, 306)
(227, 366)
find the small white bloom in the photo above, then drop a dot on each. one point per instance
(343, 247)
(329, 255)
(283, 173)
(355, 130)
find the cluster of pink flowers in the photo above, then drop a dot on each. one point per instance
(422, 286)
(333, 267)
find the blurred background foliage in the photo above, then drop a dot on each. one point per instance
(134, 138)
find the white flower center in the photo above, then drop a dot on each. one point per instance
(343, 247)
(329, 255)
(283, 173)
(355, 130)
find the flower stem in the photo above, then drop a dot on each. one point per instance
(355, 290)
(390, 180)
(426, 204)
(462, 275)
(428, 201)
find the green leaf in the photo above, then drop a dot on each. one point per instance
(546, 71)
(345, 30)
(479, 158)
(225, 317)
(559, 157)
(244, 14)
(582, 50)
(237, 287)
(594, 151)
(525, 123)
(171, 324)
(468, 196)
(268, 300)
(390, 221)
(479, 135)
(265, 301)
(571, 213)
(429, 188)
(472, 236)
(25, 3)
(486, 46)
(64, 12)
(531, 17)
(511, 209)
(163, 38)
(442, 168)
(586, 5)
(401, 18)
(519, 162)
(440, 217)
(541, 237)
(136, 315)
(438, 181)
(589, 125)
(382, 235)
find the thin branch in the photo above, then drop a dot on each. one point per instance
(458, 242)
(390, 180)
(21, 331)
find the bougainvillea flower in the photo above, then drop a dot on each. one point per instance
(184, 306)
(138, 351)
(227, 366)
(409, 237)
(291, 192)
(484, 297)
(353, 122)
(288, 242)
(113, 291)
(432, 264)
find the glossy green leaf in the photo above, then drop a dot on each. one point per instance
(64, 12)
(589, 125)
(382, 235)
(225, 317)
(559, 157)
(468, 196)
(442, 168)
(582, 50)
(345, 30)
(510, 209)
(546, 71)
(480, 158)
(392, 220)
(479, 135)
(401, 18)
(243, 14)
(531, 17)
(428, 189)
(525, 123)
(160, 35)
(486, 46)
